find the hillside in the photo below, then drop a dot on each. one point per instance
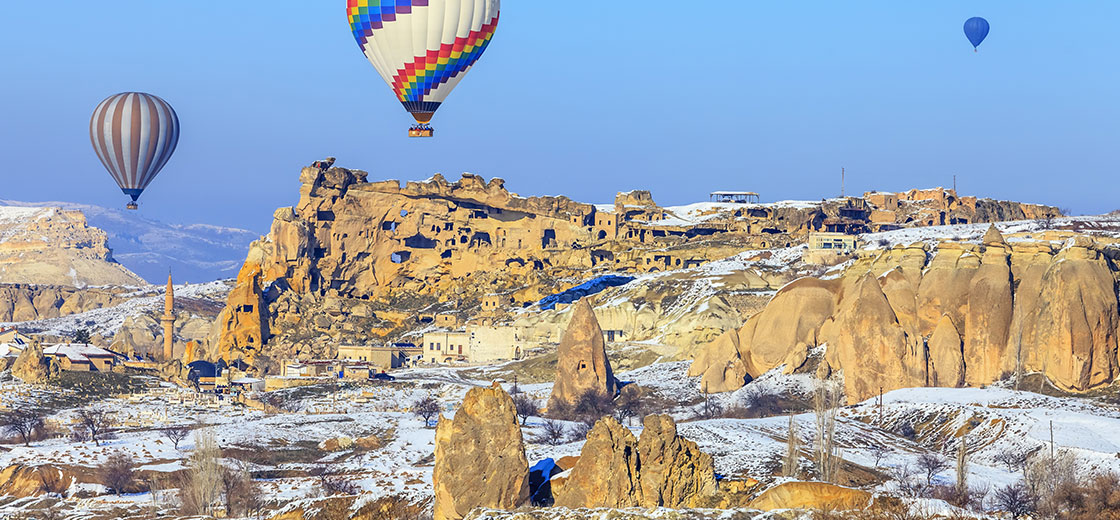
(196, 253)
(376, 255)
(53, 246)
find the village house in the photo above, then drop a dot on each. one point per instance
(82, 358)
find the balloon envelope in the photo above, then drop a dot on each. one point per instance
(423, 48)
(134, 135)
(976, 29)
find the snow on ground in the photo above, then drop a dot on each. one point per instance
(107, 320)
(997, 420)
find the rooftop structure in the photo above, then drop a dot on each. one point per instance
(736, 197)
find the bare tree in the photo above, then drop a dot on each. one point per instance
(628, 406)
(552, 433)
(826, 403)
(1016, 500)
(239, 490)
(932, 464)
(426, 408)
(118, 471)
(176, 433)
(22, 423)
(96, 422)
(201, 485)
(526, 406)
(908, 486)
(710, 408)
(879, 450)
(1012, 458)
(792, 462)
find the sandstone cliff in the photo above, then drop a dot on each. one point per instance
(23, 302)
(357, 261)
(962, 314)
(480, 456)
(51, 246)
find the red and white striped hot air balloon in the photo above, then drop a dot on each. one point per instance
(134, 135)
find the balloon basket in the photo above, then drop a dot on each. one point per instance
(132, 206)
(421, 131)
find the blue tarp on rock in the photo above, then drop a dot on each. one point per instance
(593, 286)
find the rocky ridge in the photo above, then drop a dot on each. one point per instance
(958, 315)
(51, 246)
(356, 261)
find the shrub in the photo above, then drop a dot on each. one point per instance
(1015, 500)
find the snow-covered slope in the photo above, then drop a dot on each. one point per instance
(194, 252)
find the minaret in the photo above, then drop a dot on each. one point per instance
(168, 321)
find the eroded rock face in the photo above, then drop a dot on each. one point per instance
(811, 495)
(606, 474)
(20, 481)
(52, 246)
(617, 470)
(674, 472)
(356, 261)
(31, 367)
(480, 456)
(23, 302)
(582, 365)
(968, 315)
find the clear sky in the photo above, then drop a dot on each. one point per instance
(580, 99)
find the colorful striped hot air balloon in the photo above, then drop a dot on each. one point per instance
(423, 48)
(134, 135)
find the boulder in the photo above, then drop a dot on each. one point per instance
(811, 495)
(480, 456)
(31, 366)
(582, 365)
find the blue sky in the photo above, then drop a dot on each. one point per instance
(678, 98)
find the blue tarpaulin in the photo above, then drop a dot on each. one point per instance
(593, 286)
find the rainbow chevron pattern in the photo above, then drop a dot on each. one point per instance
(369, 15)
(422, 77)
(418, 78)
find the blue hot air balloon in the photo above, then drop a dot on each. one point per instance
(976, 29)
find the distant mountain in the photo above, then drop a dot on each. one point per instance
(194, 252)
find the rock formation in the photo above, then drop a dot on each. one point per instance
(31, 366)
(967, 314)
(582, 365)
(23, 302)
(51, 246)
(354, 261)
(606, 474)
(818, 496)
(615, 470)
(674, 472)
(480, 456)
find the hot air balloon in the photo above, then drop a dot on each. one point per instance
(134, 135)
(423, 48)
(976, 29)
